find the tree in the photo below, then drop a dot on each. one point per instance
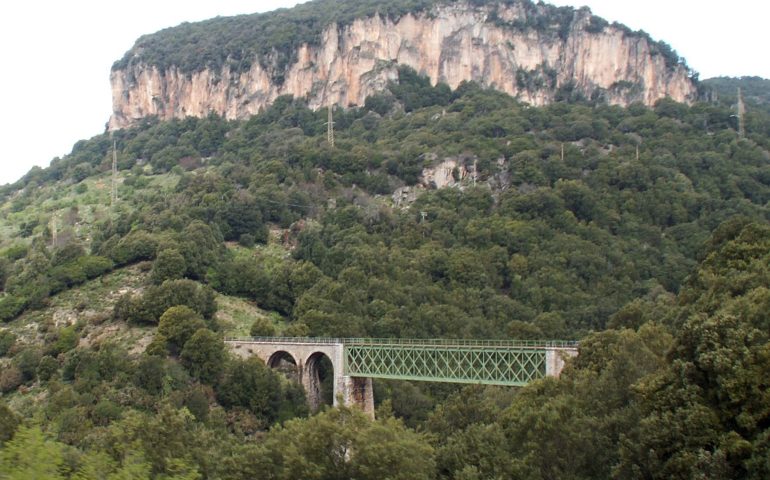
(178, 324)
(343, 443)
(706, 413)
(9, 422)
(168, 265)
(262, 327)
(204, 356)
(156, 299)
(252, 385)
(29, 455)
(7, 340)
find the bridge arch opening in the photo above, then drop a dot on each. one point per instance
(319, 380)
(285, 363)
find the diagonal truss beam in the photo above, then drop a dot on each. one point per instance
(438, 363)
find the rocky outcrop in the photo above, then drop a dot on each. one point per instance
(451, 43)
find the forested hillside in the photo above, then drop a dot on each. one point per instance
(642, 232)
(755, 90)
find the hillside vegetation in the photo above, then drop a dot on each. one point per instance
(756, 90)
(642, 232)
(273, 38)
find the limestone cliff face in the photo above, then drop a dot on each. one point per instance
(450, 44)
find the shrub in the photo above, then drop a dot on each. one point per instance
(94, 266)
(247, 240)
(297, 329)
(134, 247)
(8, 424)
(27, 361)
(204, 355)
(105, 412)
(10, 379)
(67, 339)
(250, 384)
(47, 368)
(158, 347)
(65, 276)
(15, 252)
(199, 298)
(156, 299)
(11, 307)
(150, 373)
(168, 265)
(178, 324)
(7, 340)
(262, 327)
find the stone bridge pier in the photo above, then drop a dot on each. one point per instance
(306, 357)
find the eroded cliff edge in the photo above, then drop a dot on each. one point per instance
(450, 43)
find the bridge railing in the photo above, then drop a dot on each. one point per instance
(432, 342)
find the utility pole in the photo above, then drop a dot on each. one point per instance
(330, 126)
(562, 152)
(741, 114)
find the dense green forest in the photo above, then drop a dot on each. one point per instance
(273, 38)
(642, 232)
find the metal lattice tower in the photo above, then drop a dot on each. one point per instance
(54, 231)
(114, 186)
(741, 115)
(330, 126)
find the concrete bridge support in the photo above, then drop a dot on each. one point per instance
(555, 358)
(351, 391)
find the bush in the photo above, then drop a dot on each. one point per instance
(67, 339)
(204, 355)
(134, 247)
(11, 307)
(156, 299)
(105, 412)
(8, 424)
(262, 327)
(178, 324)
(15, 252)
(94, 266)
(168, 265)
(198, 297)
(27, 361)
(47, 368)
(150, 373)
(10, 379)
(7, 340)
(158, 347)
(297, 329)
(247, 240)
(250, 384)
(66, 276)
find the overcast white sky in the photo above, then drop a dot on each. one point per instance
(54, 85)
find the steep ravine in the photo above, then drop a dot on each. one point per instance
(451, 44)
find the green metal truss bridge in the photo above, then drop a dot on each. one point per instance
(490, 362)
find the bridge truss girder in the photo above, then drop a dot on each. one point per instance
(438, 363)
